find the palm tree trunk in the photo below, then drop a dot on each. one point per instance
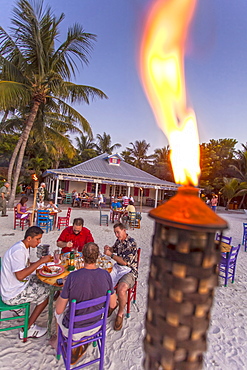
(242, 201)
(12, 160)
(25, 136)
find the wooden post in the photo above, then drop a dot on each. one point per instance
(35, 189)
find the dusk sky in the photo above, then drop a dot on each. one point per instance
(215, 68)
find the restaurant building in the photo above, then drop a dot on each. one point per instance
(111, 175)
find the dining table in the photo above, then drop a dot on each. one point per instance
(116, 213)
(103, 262)
(224, 247)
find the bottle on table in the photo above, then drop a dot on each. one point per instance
(71, 266)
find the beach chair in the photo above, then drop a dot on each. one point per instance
(64, 221)
(227, 266)
(131, 293)
(244, 238)
(44, 221)
(68, 198)
(134, 222)
(65, 345)
(104, 219)
(5, 307)
(21, 221)
(224, 239)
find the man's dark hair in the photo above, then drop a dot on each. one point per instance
(90, 252)
(78, 221)
(131, 203)
(33, 231)
(120, 225)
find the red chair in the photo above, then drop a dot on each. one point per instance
(64, 221)
(132, 291)
(21, 221)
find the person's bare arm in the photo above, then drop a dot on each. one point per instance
(61, 244)
(22, 274)
(109, 250)
(61, 305)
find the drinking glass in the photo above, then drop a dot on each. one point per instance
(56, 256)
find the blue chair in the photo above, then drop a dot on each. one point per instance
(44, 221)
(5, 307)
(224, 239)
(65, 345)
(104, 219)
(227, 266)
(244, 238)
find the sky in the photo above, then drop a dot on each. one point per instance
(215, 68)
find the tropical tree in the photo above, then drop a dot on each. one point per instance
(230, 189)
(34, 73)
(103, 144)
(139, 156)
(85, 147)
(162, 167)
(240, 171)
(215, 160)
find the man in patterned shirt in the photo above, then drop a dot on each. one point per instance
(124, 252)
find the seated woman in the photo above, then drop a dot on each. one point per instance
(130, 208)
(22, 209)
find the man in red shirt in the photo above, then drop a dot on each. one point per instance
(74, 237)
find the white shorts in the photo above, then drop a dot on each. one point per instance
(76, 336)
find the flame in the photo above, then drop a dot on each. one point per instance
(162, 74)
(34, 177)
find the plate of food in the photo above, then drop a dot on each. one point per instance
(76, 254)
(51, 270)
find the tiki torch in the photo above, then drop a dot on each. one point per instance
(35, 189)
(183, 265)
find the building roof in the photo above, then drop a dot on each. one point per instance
(99, 169)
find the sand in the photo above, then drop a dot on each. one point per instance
(227, 337)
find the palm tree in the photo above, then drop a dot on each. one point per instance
(230, 189)
(104, 144)
(138, 154)
(240, 171)
(162, 164)
(35, 74)
(86, 147)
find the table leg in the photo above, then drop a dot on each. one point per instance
(53, 289)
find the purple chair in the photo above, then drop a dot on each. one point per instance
(244, 238)
(65, 344)
(227, 264)
(224, 239)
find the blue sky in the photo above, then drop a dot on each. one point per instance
(215, 68)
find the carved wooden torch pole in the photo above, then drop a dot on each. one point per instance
(35, 190)
(183, 267)
(183, 274)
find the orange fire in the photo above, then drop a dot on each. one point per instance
(34, 177)
(162, 73)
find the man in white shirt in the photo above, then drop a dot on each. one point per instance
(17, 283)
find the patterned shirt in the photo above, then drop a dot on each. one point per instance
(127, 249)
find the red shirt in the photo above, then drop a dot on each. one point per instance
(79, 240)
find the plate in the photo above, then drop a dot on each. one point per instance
(68, 253)
(56, 270)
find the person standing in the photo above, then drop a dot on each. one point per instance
(4, 196)
(41, 193)
(124, 253)
(74, 237)
(19, 285)
(214, 202)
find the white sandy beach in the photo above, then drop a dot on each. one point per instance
(227, 337)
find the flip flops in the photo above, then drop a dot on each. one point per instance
(77, 353)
